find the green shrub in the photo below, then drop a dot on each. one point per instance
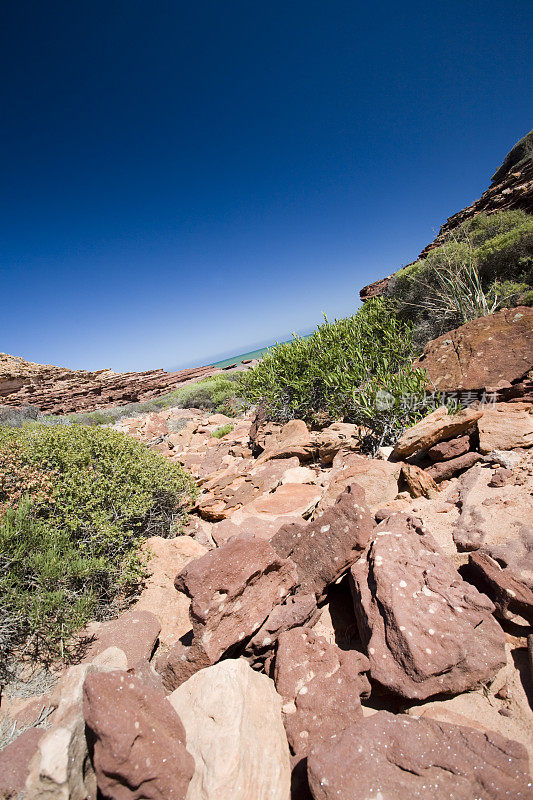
(485, 264)
(357, 369)
(222, 431)
(71, 547)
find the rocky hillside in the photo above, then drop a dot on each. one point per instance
(511, 187)
(331, 625)
(58, 390)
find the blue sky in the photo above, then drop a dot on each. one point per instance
(186, 181)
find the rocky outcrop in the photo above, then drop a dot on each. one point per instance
(436, 427)
(233, 590)
(492, 353)
(511, 187)
(323, 549)
(426, 630)
(321, 686)
(387, 757)
(58, 390)
(61, 768)
(139, 743)
(232, 718)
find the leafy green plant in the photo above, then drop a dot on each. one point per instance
(222, 431)
(485, 264)
(70, 538)
(357, 369)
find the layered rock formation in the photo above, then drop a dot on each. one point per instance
(58, 390)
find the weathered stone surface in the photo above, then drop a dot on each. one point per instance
(509, 595)
(321, 686)
(419, 482)
(166, 558)
(379, 479)
(488, 353)
(452, 448)
(289, 498)
(139, 740)
(389, 756)
(434, 428)
(426, 630)
(293, 439)
(233, 590)
(447, 469)
(225, 493)
(505, 426)
(61, 768)
(261, 527)
(338, 436)
(15, 760)
(298, 610)
(299, 475)
(232, 717)
(493, 516)
(324, 549)
(135, 633)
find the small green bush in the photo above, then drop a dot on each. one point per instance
(357, 369)
(485, 264)
(70, 545)
(222, 431)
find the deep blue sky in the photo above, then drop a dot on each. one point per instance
(186, 180)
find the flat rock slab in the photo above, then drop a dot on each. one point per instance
(321, 686)
(427, 631)
(389, 756)
(324, 549)
(494, 515)
(453, 448)
(436, 427)
(139, 740)
(445, 470)
(232, 716)
(135, 633)
(505, 426)
(378, 479)
(260, 527)
(289, 498)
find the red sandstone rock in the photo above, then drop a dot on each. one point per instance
(58, 390)
(233, 589)
(135, 633)
(379, 479)
(488, 353)
(324, 549)
(447, 469)
(389, 756)
(434, 428)
(505, 426)
(298, 610)
(419, 483)
(449, 449)
(426, 630)
(139, 740)
(15, 760)
(321, 686)
(509, 595)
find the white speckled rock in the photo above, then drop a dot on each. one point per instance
(232, 718)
